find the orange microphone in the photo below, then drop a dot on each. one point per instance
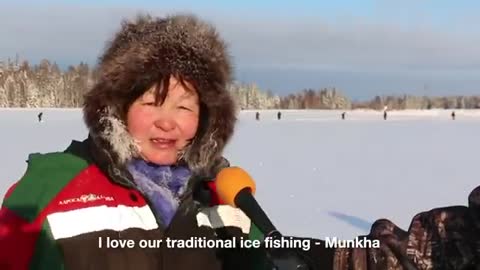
(235, 187)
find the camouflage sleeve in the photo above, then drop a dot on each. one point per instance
(442, 238)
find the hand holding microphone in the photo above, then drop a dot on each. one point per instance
(235, 187)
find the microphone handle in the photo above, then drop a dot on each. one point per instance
(247, 203)
(282, 259)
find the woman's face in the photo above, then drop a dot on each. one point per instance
(161, 131)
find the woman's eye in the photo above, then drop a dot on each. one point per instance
(149, 103)
(184, 108)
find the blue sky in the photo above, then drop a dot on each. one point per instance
(364, 48)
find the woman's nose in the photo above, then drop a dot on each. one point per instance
(165, 123)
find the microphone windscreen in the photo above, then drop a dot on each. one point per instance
(230, 181)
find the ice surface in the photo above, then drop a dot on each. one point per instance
(316, 175)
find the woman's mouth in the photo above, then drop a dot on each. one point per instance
(161, 143)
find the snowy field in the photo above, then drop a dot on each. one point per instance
(316, 174)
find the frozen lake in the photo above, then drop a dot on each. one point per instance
(316, 174)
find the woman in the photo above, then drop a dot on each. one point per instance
(159, 117)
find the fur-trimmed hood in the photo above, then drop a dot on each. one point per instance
(145, 50)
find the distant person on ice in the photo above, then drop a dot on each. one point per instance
(384, 115)
(40, 115)
(453, 115)
(279, 115)
(343, 116)
(257, 116)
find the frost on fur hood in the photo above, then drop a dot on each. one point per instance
(145, 50)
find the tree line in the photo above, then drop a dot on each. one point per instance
(46, 85)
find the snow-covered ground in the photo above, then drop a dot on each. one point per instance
(316, 174)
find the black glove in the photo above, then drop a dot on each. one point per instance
(283, 259)
(312, 257)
